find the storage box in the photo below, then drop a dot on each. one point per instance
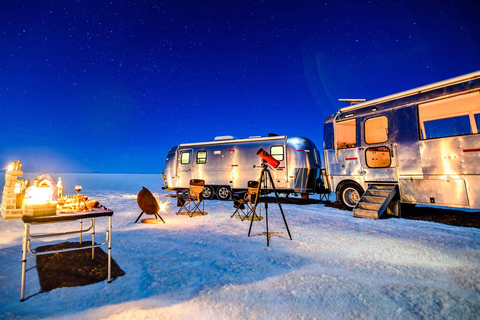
(40, 209)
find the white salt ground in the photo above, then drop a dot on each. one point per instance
(336, 267)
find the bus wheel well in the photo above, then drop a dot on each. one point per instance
(349, 193)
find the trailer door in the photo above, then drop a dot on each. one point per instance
(378, 149)
(184, 167)
(278, 151)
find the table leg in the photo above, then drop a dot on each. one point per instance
(24, 260)
(81, 231)
(93, 238)
(109, 249)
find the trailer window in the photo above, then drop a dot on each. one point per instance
(185, 158)
(277, 152)
(376, 130)
(201, 157)
(449, 117)
(346, 134)
(378, 157)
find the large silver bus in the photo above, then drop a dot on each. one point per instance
(420, 146)
(227, 164)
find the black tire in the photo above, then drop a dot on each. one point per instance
(224, 193)
(208, 193)
(350, 194)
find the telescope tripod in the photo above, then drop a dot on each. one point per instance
(263, 180)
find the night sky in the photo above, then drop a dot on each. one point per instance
(111, 86)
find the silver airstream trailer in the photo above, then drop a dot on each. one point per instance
(420, 146)
(227, 164)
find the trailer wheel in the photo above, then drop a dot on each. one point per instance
(208, 192)
(223, 193)
(350, 194)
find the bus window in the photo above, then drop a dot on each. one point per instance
(450, 117)
(447, 127)
(346, 134)
(185, 158)
(376, 130)
(378, 157)
(477, 122)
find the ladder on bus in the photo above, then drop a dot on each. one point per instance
(377, 200)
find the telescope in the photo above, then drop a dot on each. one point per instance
(268, 158)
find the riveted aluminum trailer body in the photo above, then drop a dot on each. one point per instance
(227, 165)
(425, 140)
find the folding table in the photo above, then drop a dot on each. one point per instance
(28, 221)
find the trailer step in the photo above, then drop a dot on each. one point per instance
(377, 192)
(362, 213)
(375, 200)
(369, 206)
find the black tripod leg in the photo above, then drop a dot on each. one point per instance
(266, 223)
(279, 204)
(256, 201)
(265, 184)
(139, 217)
(159, 217)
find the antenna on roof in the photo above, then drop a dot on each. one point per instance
(353, 101)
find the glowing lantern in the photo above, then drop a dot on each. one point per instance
(11, 167)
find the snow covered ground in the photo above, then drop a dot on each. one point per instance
(336, 267)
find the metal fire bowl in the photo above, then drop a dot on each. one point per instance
(147, 202)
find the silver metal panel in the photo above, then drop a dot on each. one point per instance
(408, 159)
(472, 184)
(348, 162)
(304, 179)
(452, 155)
(450, 192)
(380, 174)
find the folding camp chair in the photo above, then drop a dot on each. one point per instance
(190, 203)
(244, 207)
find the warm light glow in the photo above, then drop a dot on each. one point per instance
(18, 187)
(39, 195)
(10, 167)
(163, 205)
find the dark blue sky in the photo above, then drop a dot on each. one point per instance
(110, 86)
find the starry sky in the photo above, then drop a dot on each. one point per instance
(111, 86)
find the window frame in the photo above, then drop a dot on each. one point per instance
(203, 158)
(378, 147)
(182, 159)
(365, 129)
(468, 104)
(274, 155)
(424, 131)
(343, 123)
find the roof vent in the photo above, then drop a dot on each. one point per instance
(220, 138)
(273, 135)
